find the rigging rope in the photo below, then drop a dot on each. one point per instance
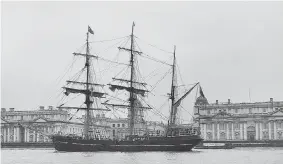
(151, 58)
(154, 46)
(160, 79)
(101, 41)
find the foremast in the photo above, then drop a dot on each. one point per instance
(89, 91)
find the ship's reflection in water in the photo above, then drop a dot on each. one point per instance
(204, 156)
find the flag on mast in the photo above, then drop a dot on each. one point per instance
(90, 30)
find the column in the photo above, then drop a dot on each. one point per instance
(218, 132)
(37, 137)
(18, 134)
(204, 131)
(8, 139)
(233, 131)
(275, 131)
(213, 132)
(37, 134)
(47, 132)
(260, 130)
(256, 131)
(4, 134)
(245, 131)
(33, 136)
(26, 135)
(227, 131)
(8, 134)
(14, 134)
(269, 130)
(241, 132)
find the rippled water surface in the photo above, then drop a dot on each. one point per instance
(204, 156)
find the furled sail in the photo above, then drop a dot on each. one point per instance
(129, 89)
(83, 91)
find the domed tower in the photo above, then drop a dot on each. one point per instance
(200, 103)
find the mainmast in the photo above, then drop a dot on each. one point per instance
(132, 97)
(134, 88)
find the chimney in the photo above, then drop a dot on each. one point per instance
(271, 99)
(50, 107)
(229, 101)
(41, 107)
(3, 109)
(216, 102)
(12, 109)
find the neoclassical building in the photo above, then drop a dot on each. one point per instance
(119, 127)
(259, 121)
(36, 125)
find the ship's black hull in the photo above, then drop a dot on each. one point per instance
(181, 143)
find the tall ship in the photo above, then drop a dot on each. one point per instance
(176, 138)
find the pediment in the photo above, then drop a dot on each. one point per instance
(277, 113)
(222, 115)
(3, 121)
(40, 120)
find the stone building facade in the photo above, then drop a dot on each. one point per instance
(119, 127)
(36, 125)
(259, 121)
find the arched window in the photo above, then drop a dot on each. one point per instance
(11, 138)
(279, 135)
(41, 138)
(237, 136)
(209, 136)
(222, 136)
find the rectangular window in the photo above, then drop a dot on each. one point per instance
(265, 126)
(250, 110)
(209, 126)
(113, 125)
(123, 125)
(118, 125)
(264, 110)
(208, 111)
(236, 110)
(221, 126)
(236, 126)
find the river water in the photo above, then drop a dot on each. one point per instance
(203, 156)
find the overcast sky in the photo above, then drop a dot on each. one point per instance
(229, 47)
